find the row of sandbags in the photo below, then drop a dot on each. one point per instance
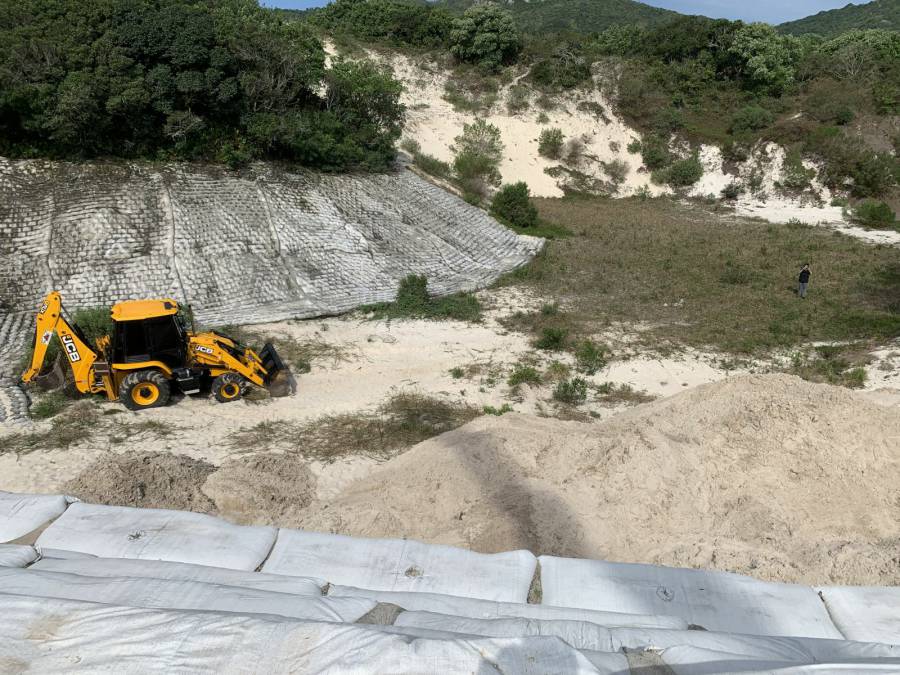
(650, 596)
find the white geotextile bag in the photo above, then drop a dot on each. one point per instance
(193, 595)
(488, 609)
(774, 648)
(867, 613)
(403, 565)
(161, 569)
(157, 534)
(584, 635)
(61, 554)
(717, 601)
(611, 664)
(43, 635)
(688, 660)
(578, 634)
(22, 514)
(13, 555)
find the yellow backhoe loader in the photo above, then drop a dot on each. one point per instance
(152, 353)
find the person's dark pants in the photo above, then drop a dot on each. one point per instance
(801, 291)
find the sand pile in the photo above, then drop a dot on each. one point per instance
(767, 475)
(144, 479)
(261, 489)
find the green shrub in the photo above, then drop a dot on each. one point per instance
(873, 213)
(732, 191)
(433, 166)
(543, 119)
(571, 392)
(524, 374)
(682, 173)
(655, 152)
(411, 145)
(668, 120)
(634, 146)
(886, 96)
(564, 68)
(751, 118)
(48, 405)
(485, 35)
(552, 339)
(795, 176)
(414, 301)
(874, 174)
(735, 152)
(574, 151)
(469, 90)
(550, 143)
(512, 204)
(478, 151)
(590, 358)
(843, 115)
(617, 170)
(517, 98)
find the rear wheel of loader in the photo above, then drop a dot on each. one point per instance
(228, 387)
(144, 389)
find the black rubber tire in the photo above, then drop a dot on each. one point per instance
(228, 387)
(143, 381)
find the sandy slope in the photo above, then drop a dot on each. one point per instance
(767, 475)
(434, 124)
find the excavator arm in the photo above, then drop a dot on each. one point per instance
(81, 357)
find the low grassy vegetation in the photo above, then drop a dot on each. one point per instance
(571, 392)
(612, 393)
(414, 302)
(690, 279)
(842, 365)
(49, 405)
(399, 423)
(76, 424)
(524, 373)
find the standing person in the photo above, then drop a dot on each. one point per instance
(804, 281)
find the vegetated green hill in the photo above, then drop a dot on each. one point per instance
(582, 16)
(878, 14)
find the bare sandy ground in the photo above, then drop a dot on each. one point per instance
(378, 359)
(766, 475)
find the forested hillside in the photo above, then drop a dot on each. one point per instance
(541, 16)
(220, 80)
(691, 80)
(883, 14)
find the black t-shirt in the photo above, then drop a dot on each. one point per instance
(804, 276)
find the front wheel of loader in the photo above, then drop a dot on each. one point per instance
(228, 387)
(144, 389)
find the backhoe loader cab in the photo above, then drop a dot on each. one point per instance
(153, 352)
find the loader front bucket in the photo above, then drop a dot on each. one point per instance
(279, 380)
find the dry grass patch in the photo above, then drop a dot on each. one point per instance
(397, 424)
(76, 424)
(700, 280)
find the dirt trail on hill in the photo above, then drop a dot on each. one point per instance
(765, 475)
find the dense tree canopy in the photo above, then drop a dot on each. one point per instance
(395, 21)
(213, 79)
(486, 36)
